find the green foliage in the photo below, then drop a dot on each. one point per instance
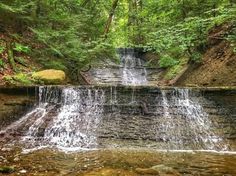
(232, 38)
(55, 64)
(21, 48)
(196, 57)
(20, 60)
(71, 32)
(20, 78)
(174, 70)
(2, 64)
(175, 28)
(167, 61)
(8, 79)
(2, 49)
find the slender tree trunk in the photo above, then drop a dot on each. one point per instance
(11, 57)
(109, 21)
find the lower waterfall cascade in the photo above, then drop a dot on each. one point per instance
(82, 118)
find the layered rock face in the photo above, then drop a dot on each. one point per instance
(160, 118)
(14, 103)
(132, 70)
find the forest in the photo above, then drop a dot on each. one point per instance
(118, 87)
(72, 35)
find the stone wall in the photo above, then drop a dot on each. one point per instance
(15, 102)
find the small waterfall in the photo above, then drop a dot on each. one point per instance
(186, 119)
(67, 121)
(133, 72)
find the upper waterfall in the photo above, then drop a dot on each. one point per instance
(133, 70)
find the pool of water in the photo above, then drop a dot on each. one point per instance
(119, 162)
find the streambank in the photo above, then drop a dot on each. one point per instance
(218, 65)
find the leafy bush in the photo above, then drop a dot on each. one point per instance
(196, 57)
(21, 48)
(167, 61)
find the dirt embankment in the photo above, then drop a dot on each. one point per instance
(218, 66)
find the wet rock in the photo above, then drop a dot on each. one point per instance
(165, 170)
(110, 172)
(147, 171)
(23, 171)
(16, 159)
(2, 159)
(6, 169)
(6, 149)
(50, 76)
(158, 170)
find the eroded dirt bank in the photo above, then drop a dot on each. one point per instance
(218, 66)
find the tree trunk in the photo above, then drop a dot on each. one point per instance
(109, 21)
(11, 57)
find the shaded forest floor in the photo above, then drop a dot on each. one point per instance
(17, 47)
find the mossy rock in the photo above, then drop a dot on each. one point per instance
(50, 76)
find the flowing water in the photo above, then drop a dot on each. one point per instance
(130, 71)
(133, 72)
(122, 131)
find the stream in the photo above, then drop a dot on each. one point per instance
(127, 128)
(123, 130)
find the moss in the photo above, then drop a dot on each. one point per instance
(50, 76)
(22, 78)
(6, 169)
(8, 79)
(173, 71)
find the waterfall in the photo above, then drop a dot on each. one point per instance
(71, 126)
(133, 72)
(185, 118)
(75, 118)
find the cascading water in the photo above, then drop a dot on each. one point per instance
(188, 121)
(66, 119)
(74, 118)
(133, 72)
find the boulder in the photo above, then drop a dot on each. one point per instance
(50, 76)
